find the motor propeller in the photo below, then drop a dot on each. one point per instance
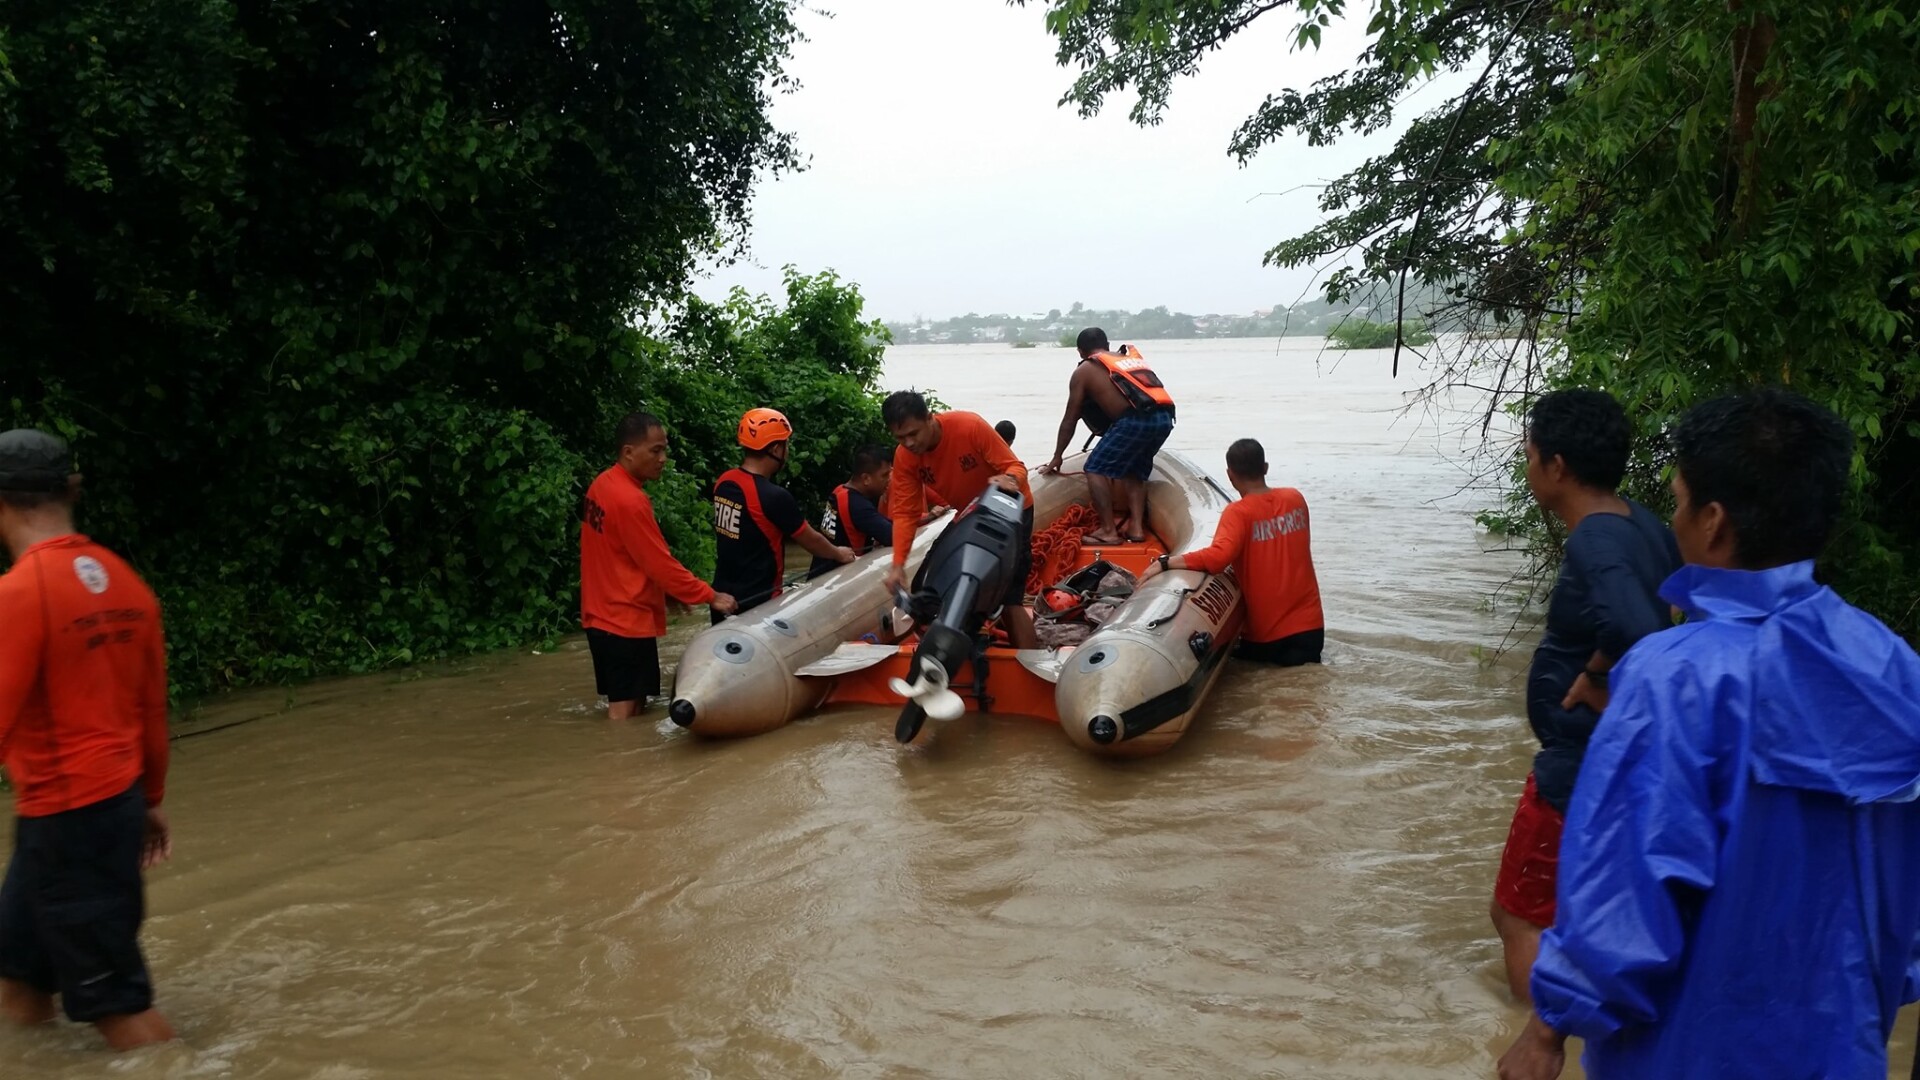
(929, 695)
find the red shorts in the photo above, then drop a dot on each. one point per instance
(1530, 867)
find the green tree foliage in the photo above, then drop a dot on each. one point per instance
(1667, 200)
(815, 359)
(337, 300)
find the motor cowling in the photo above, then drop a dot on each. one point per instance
(964, 579)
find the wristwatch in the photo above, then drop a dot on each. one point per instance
(1162, 560)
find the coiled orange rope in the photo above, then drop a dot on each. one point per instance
(1057, 547)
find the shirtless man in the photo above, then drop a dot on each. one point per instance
(1123, 402)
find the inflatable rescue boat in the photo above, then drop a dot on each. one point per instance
(1127, 687)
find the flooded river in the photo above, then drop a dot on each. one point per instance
(466, 871)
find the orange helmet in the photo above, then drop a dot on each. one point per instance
(761, 428)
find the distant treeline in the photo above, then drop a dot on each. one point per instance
(1308, 318)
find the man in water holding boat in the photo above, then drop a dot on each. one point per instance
(1737, 881)
(1123, 402)
(959, 454)
(627, 573)
(753, 517)
(83, 727)
(1264, 537)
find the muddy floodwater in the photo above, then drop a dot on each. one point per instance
(466, 871)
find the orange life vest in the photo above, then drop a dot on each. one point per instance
(1134, 379)
(856, 539)
(750, 491)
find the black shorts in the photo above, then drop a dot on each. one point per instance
(1290, 651)
(71, 907)
(624, 668)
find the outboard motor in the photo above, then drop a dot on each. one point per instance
(962, 581)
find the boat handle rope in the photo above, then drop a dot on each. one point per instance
(1168, 617)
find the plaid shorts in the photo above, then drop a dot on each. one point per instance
(1126, 450)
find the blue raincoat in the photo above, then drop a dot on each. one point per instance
(1739, 888)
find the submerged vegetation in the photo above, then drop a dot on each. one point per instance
(1363, 334)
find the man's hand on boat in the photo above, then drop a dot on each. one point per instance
(1050, 468)
(1005, 482)
(724, 603)
(896, 580)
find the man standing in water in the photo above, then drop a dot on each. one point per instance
(960, 455)
(1264, 538)
(83, 726)
(1123, 402)
(1737, 893)
(753, 516)
(1605, 599)
(627, 573)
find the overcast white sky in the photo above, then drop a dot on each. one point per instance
(943, 178)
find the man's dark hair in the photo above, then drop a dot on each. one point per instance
(34, 500)
(1005, 430)
(903, 405)
(1246, 457)
(871, 459)
(634, 427)
(1585, 428)
(1093, 340)
(1776, 462)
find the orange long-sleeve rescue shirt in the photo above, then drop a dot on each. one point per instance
(626, 571)
(1265, 539)
(83, 679)
(970, 453)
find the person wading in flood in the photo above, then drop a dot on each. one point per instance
(753, 517)
(1123, 402)
(627, 573)
(852, 518)
(1605, 599)
(1738, 896)
(957, 453)
(83, 729)
(1264, 537)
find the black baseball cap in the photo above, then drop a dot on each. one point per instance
(34, 461)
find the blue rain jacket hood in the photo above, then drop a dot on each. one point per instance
(1739, 888)
(1840, 712)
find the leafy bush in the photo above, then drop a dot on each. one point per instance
(816, 360)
